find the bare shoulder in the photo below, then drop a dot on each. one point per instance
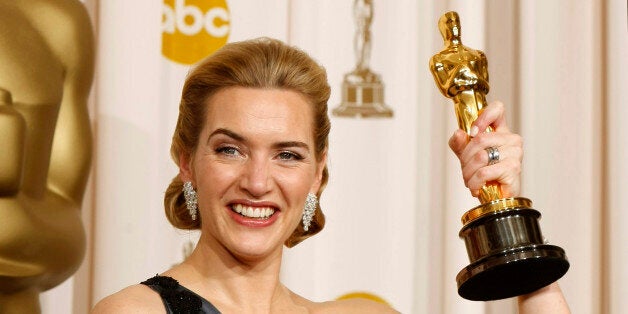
(362, 306)
(134, 299)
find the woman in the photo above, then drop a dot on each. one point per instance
(251, 145)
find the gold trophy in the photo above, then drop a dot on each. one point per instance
(362, 89)
(507, 251)
(45, 146)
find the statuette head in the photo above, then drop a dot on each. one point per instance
(449, 26)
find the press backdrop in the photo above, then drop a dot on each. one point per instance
(395, 197)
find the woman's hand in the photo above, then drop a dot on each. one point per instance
(473, 156)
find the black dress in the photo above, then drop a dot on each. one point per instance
(179, 299)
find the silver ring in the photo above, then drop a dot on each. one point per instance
(493, 155)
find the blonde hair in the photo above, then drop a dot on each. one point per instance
(257, 63)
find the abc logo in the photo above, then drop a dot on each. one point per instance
(193, 29)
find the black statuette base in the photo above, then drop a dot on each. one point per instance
(508, 256)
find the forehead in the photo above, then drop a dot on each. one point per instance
(259, 111)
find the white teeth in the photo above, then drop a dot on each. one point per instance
(253, 212)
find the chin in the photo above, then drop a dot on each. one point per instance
(255, 248)
(253, 256)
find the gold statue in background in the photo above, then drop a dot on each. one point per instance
(363, 14)
(46, 69)
(504, 243)
(362, 89)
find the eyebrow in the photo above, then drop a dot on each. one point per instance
(291, 144)
(228, 133)
(241, 138)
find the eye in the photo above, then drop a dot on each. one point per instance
(228, 151)
(287, 155)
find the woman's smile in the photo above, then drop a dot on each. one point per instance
(254, 214)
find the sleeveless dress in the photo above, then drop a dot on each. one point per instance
(179, 299)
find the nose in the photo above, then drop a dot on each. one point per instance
(256, 179)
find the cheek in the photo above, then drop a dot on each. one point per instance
(296, 182)
(215, 179)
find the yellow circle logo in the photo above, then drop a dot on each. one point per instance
(193, 29)
(362, 295)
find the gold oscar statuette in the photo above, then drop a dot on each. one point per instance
(507, 251)
(46, 70)
(362, 89)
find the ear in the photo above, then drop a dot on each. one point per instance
(186, 172)
(320, 165)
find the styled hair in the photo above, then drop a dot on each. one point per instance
(256, 63)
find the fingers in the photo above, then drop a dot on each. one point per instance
(480, 160)
(458, 141)
(508, 144)
(475, 168)
(493, 115)
(505, 172)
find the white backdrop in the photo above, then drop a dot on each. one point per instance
(395, 196)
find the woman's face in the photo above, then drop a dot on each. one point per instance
(253, 167)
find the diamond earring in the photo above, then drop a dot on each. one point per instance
(308, 211)
(191, 199)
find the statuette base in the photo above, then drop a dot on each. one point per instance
(363, 95)
(509, 256)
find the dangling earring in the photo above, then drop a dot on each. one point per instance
(308, 212)
(190, 198)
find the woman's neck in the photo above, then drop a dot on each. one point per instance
(229, 281)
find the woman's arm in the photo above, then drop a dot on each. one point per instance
(549, 299)
(476, 172)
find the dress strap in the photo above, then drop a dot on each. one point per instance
(177, 298)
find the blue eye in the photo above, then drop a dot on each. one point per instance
(289, 156)
(228, 150)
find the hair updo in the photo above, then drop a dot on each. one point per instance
(256, 63)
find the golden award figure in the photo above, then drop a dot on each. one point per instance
(362, 89)
(507, 251)
(46, 69)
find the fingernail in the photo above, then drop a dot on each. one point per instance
(474, 131)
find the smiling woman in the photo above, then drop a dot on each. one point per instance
(255, 154)
(251, 144)
(261, 65)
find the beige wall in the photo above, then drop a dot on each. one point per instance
(395, 195)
